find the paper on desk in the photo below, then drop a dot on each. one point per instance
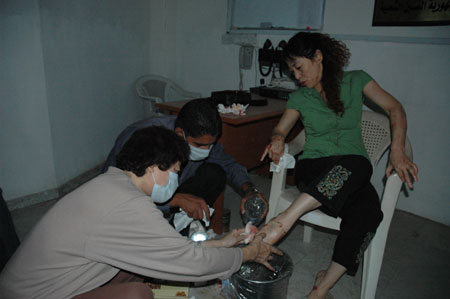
(286, 161)
(237, 109)
(181, 220)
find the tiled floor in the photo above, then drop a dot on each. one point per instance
(416, 262)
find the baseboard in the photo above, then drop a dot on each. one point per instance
(32, 199)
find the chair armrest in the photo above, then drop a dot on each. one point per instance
(277, 186)
(190, 94)
(389, 200)
(153, 99)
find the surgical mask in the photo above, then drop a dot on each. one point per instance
(162, 194)
(198, 154)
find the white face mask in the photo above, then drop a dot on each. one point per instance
(162, 194)
(196, 153)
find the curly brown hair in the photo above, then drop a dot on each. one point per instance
(335, 57)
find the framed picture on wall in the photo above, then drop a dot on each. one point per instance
(411, 13)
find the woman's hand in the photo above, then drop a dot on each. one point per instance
(260, 252)
(405, 168)
(234, 238)
(275, 149)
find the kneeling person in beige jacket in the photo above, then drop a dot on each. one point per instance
(99, 240)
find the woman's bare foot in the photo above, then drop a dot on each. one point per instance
(319, 292)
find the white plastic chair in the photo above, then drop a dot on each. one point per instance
(377, 138)
(158, 89)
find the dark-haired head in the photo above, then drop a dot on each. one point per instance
(335, 57)
(152, 146)
(198, 118)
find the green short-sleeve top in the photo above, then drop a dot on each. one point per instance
(328, 134)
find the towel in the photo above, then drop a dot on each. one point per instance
(181, 220)
(286, 161)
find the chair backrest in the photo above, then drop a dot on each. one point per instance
(157, 89)
(161, 89)
(376, 134)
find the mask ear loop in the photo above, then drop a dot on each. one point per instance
(153, 176)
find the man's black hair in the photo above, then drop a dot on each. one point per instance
(152, 146)
(198, 118)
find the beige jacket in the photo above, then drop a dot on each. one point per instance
(103, 226)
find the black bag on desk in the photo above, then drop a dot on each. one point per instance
(8, 237)
(228, 97)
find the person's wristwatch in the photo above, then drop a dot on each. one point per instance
(251, 189)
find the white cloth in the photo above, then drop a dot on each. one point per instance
(286, 161)
(181, 220)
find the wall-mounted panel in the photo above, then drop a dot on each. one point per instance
(260, 16)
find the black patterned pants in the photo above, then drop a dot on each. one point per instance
(342, 185)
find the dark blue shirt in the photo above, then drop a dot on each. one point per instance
(236, 173)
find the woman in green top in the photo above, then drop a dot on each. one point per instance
(334, 171)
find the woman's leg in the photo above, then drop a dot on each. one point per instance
(325, 183)
(334, 185)
(326, 279)
(281, 224)
(361, 216)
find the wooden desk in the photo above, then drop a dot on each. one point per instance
(243, 137)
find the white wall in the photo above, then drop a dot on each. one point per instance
(67, 86)
(93, 52)
(26, 153)
(399, 58)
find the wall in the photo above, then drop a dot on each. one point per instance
(93, 52)
(413, 63)
(26, 153)
(67, 86)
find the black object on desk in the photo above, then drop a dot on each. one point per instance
(272, 92)
(258, 102)
(228, 97)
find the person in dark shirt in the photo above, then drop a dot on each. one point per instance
(209, 168)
